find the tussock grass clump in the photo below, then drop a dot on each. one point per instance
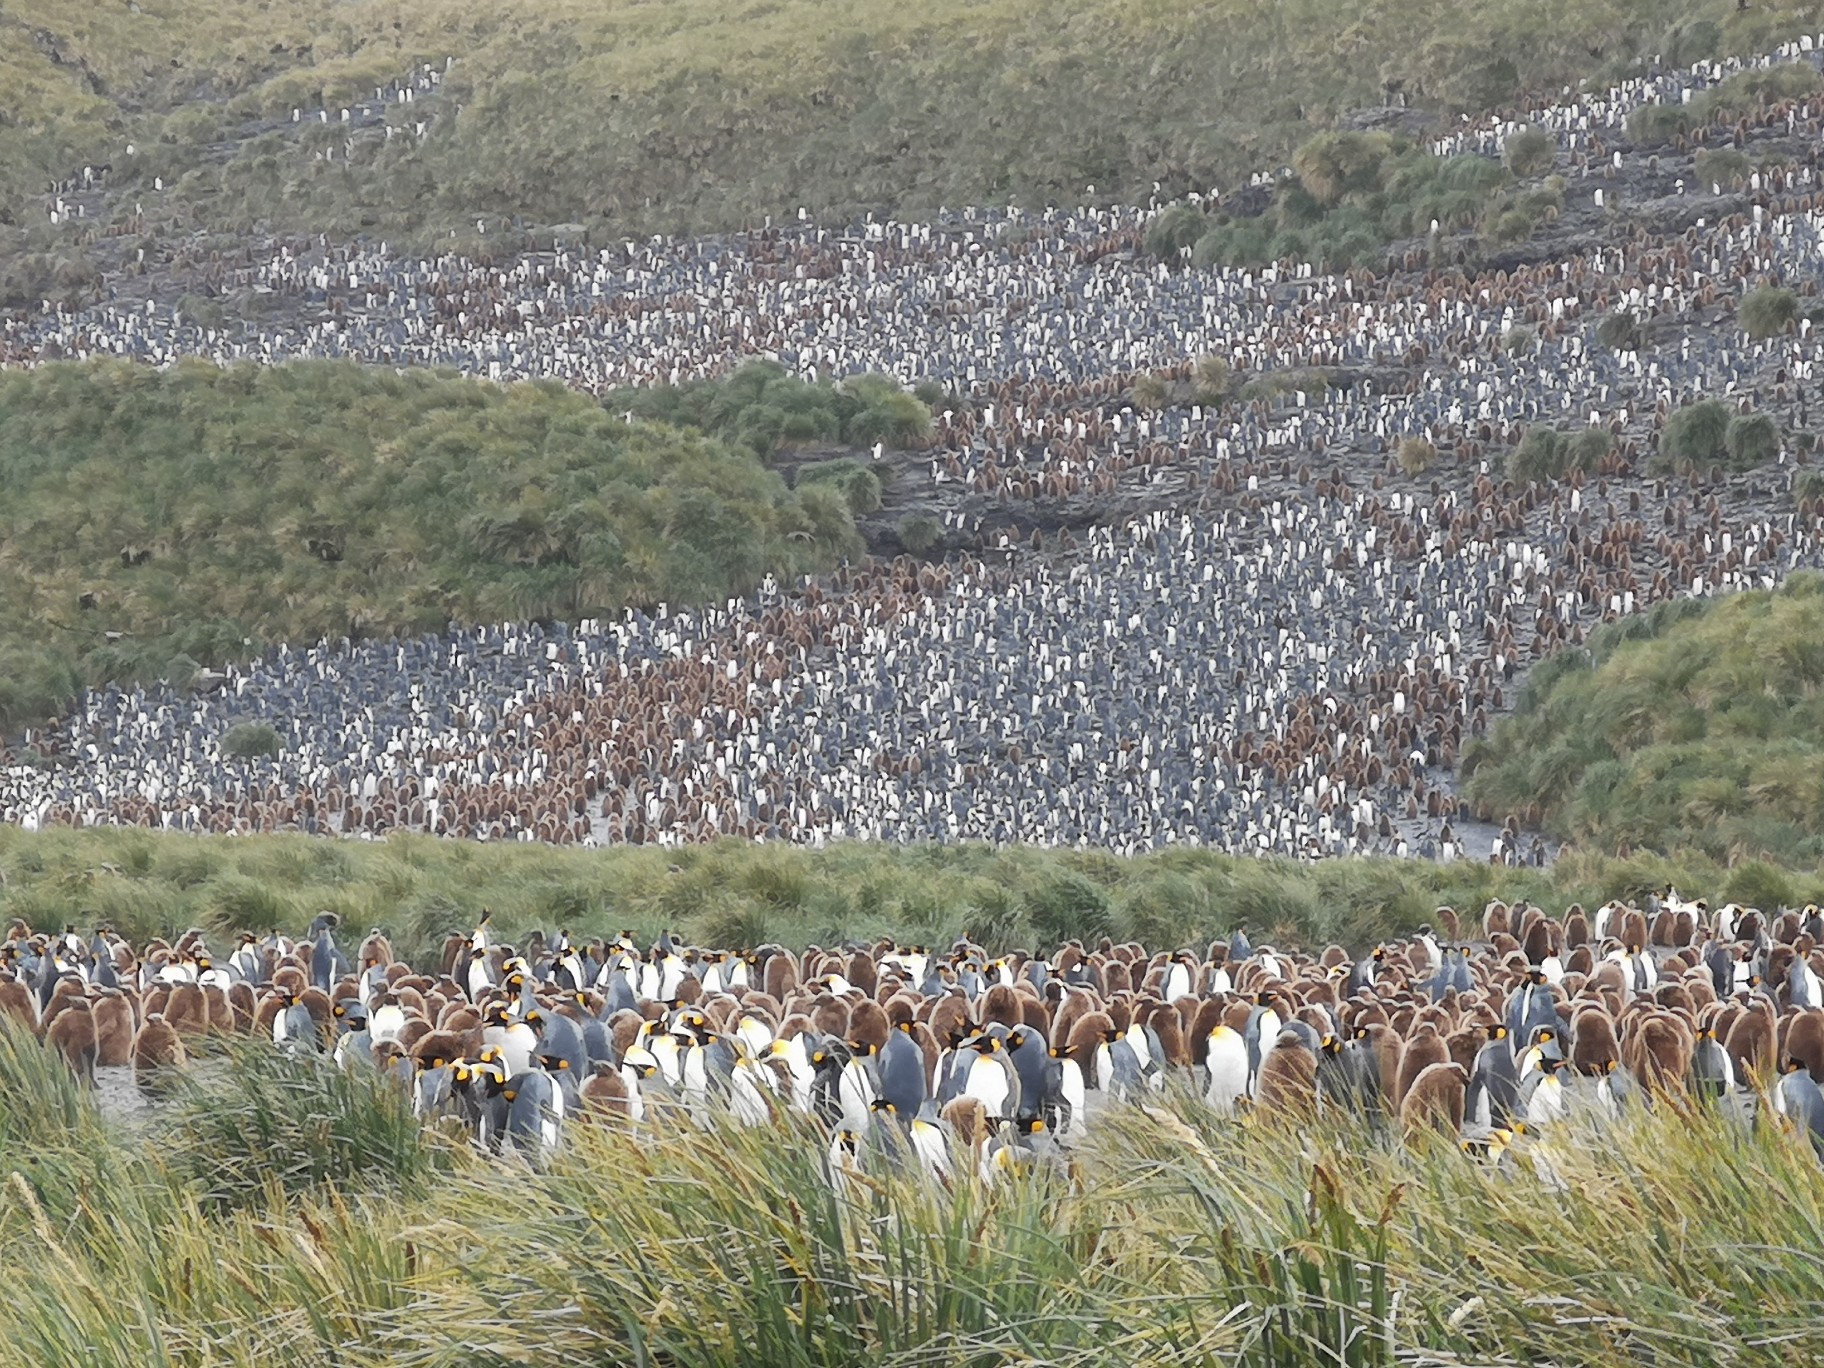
(1767, 311)
(256, 1117)
(859, 486)
(1529, 151)
(1694, 436)
(1415, 456)
(1545, 454)
(1620, 331)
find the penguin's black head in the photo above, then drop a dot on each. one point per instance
(1031, 1125)
(1380, 953)
(880, 1104)
(1497, 1031)
(1111, 1035)
(1331, 1045)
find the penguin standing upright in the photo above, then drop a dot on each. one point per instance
(327, 963)
(1229, 1069)
(1493, 1095)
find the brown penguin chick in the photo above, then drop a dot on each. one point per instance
(1662, 931)
(376, 949)
(780, 976)
(950, 1015)
(242, 1005)
(415, 1029)
(1090, 1030)
(1576, 927)
(1751, 1040)
(17, 1002)
(72, 1035)
(1286, 1087)
(114, 1028)
(157, 1049)
(1594, 1048)
(830, 1016)
(1424, 1047)
(1209, 1017)
(291, 976)
(438, 1049)
(1000, 1004)
(221, 1013)
(187, 1010)
(1036, 1014)
(322, 1012)
(1501, 945)
(602, 1096)
(1169, 1027)
(1389, 1053)
(1495, 921)
(1116, 978)
(1805, 1040)
(1434, 1102)
(968, 1118)
(1656, 1047)
(861, 972)
(623, 1029)
(66, 992)
(1465, 1043)
(868, 1022)
(1582, 962)
(1633, 931)
(1447, 918)
(1541, 935)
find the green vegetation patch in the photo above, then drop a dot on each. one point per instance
(1698, 726)
(767, 411)
(158, 521)
(699, 114)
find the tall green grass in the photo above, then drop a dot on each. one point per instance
(732, 894)
(1673, 1236)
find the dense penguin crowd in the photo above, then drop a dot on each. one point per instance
(1285, 650)
(957, 1057)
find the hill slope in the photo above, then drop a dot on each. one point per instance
(158, 519)
(697, 114)
(1695, 725)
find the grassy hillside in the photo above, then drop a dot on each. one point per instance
(1696, 725)
(154, 521)
(737, 895)
(697, 113)
(240, 1227)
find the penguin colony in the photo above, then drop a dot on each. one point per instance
(955, 1057)
(1264, 640)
